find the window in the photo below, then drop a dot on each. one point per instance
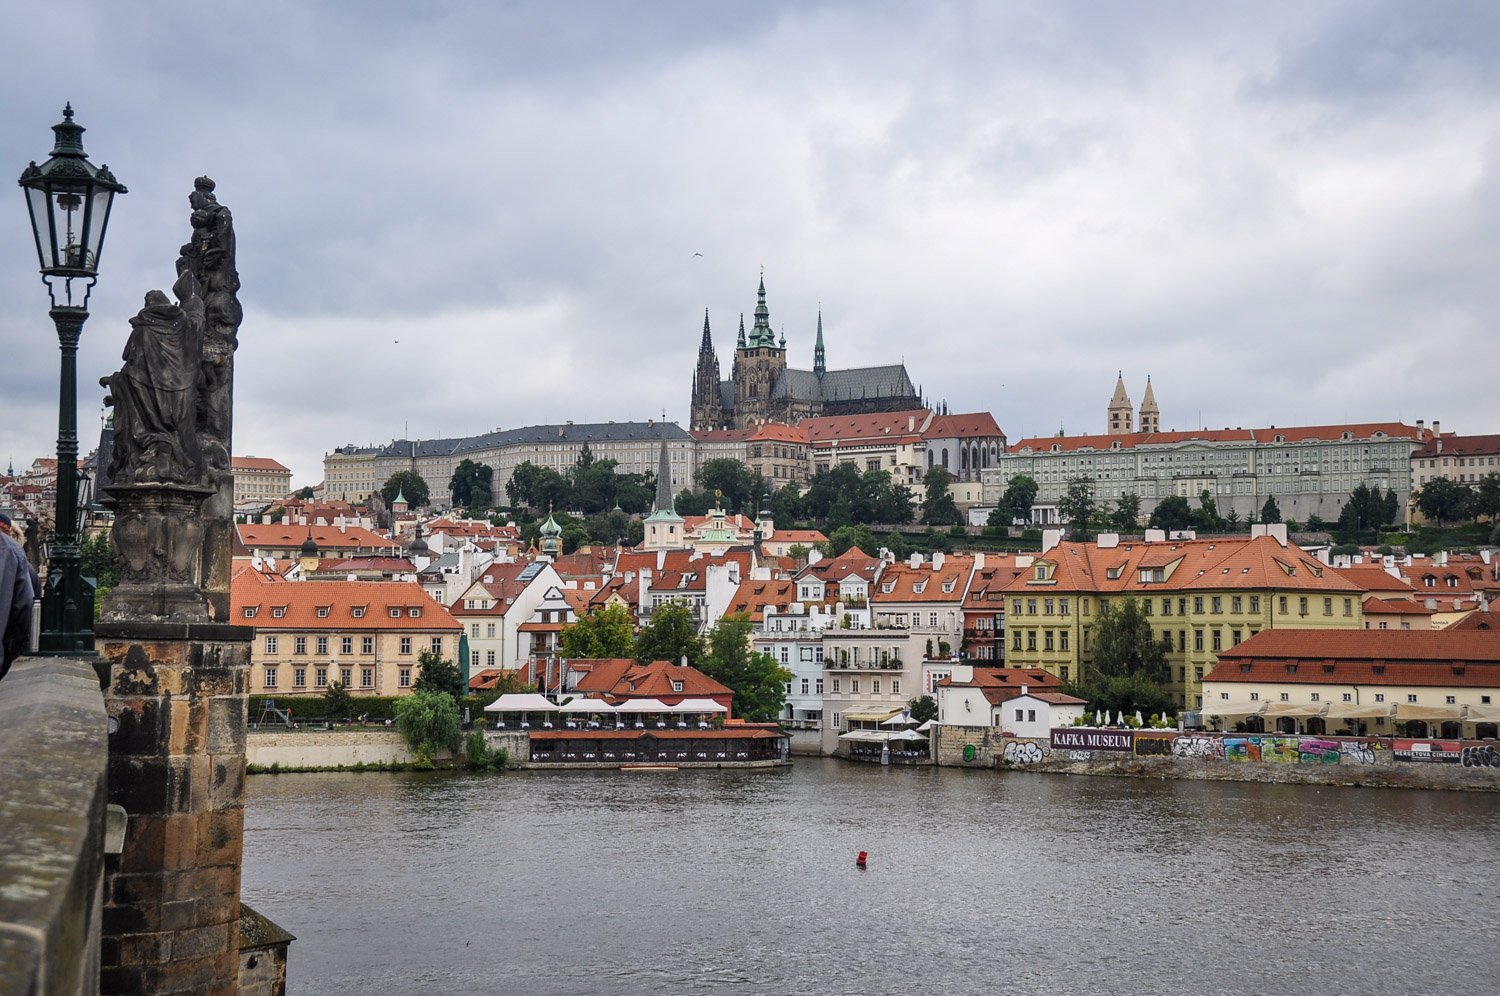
(437, 644)
(249, 612)
(1234, 638)
(1451, 700)
(1348, 606)
(489, 658)
(1046, 606)
(1047, 639)
(299, 645)
(1281, 605)
(875, 686)
(1348, 696)
(1198, 675)
(1328, 606)
(270, 644)
(1031, 639)
(854, 685)
(1031, 715)
(895, 686)
(1255, 696)
(1286, 696)
(932, 619)
(396, 614)
(1198, 639)
(322, 612)
(818, 686)
(320, 677)
(1062, 639)
(404, 677)
(837, 717)
(474, 630)
(489, 631)
(1411, 698)
(1218, 605)
(1015, 607)
(1020, 716)
(1235, 603)
(1166, 606)
(406, 644)
(1031, 606)
(346, 676)
(414, 613)
(1302, 605)
(1254, 603)
(1062, 672)
(367, 677)
(270, 677)
(1197, 603)
(278, 612)
(1182, 641)
(299, 677)
(1379, 696)
(358, 612)
(1015, 643)
(473, 658)
(1062, 606)
(346, 645)
(805, 683)
(835, 690)
(322, 645)
(367, 644)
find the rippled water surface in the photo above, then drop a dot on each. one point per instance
(744, 882)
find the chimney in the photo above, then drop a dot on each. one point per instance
(911, 423)
(1437, 434)
(1025, 689)
(937, 560)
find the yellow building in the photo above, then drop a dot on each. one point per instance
(365, 634)
(1204, 595)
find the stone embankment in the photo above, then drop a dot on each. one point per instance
(1309, 760)
(336, 748)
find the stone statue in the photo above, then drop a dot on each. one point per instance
(170, 476)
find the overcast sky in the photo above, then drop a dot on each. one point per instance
(458, 216)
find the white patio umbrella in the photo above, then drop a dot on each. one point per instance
(900, 719)
(907, 735)
(1138, 720)
(927, 726)
(1120, 718)
(1098, 718)
(586, 705)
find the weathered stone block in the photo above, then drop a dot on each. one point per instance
(226, 726)
(228, 788)
(221, 837)
(141, 728)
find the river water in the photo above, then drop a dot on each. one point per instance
(744, 882)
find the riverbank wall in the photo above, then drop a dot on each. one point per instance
(1364, 761)
(336, 748)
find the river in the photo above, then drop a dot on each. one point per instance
(745, 882)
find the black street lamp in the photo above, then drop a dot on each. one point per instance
(69, 200)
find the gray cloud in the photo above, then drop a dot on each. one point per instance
(1283, 214)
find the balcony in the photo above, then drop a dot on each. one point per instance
(894, 664)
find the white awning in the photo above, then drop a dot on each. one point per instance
(900, 719)
(1408, 710)
(643, 705)
(698, 705)
(927, 726)
(522, 702)
(1483, 714)
(867, 736)
(871, 717)
(586, 705)
(908, 735)
(1294, 709)
(1233, 708)
(1355, 710)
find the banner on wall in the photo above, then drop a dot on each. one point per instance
(1438, 751)
(1077, 738)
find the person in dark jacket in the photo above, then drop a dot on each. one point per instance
(19, 587)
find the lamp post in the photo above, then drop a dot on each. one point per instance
(69, 199)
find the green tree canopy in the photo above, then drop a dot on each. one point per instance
(922, 708)
(758, 682)
(1125, 645)
(429, 722)
(1364, 510)
(604, 633)
(1127, 513)
(1444, 500)
(407, 483)
(938, 507)
(1077, 507)
(1270, 512)
(786, 506)
(1206, 517)
(690, 502)
(730, 479)
(434, 674)
(1019, 497)
(670, 636)
(337, 702)
(1172, 513)
(1486, 502)
(471, 485)
(844, 537)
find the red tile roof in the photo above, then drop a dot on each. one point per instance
(963, 426)
(1394, 607)
(284, 536)
(1391, 646)
(1456, 445)
(624, 679)
(301, 600)
(998, 684)
(851, 429)
(754, 596)
(904, 581)
(256, 463)
(1264, 437)
(1373, 577)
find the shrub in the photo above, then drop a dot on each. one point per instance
(476, 753)
(428, 722)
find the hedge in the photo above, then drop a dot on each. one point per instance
(379, 708)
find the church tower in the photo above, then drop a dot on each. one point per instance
(708, 402)
(1121, 416)
(758, 364)
(1150, 414)
(820, 360)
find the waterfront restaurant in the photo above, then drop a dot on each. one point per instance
(1424, 683)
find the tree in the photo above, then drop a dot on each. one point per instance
(757, 680)
(337, 702)
(1127, 513)
(897, 544)
(409, 485)
(670, 636)
(602, 634)
(471, 485)
(844, 537)
(1125, 645)
(1486, 502)
(1172, 513)
(1207, 515)
(922, 708)
(786, 506)
(1077, 507)
(1444, 500)
(1020, 495)
(690, 502)
(939, 508)
(434, 674)
(429, 722)
(1270, 512)
(1390, 506)
(306, 494)
(731, 480)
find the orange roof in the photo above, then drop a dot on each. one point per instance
(778, 433)
(623, 678)
(1456, 445)
(804, 536)
(851, 561)
(1394, 607)
(256, 463)
(754, 596)
(1373, 577)
(851, 429)
(331, 605)
(925, 583)
(1262, 437)
(1483, 621)
(963, 426)
(998, 684)
(1419, 657)
(285, 536)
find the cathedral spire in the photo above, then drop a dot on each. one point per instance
(762, 334)
(820, 364)
(664, 501)
(708, 343)
(742, 330)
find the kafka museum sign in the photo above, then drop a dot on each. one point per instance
(1080, 739)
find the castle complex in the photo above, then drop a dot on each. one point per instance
(762, 388)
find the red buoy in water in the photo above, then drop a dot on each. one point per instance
(859, 862)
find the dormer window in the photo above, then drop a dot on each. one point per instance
(919, 587)
(414, 613)
(887, 587)
(358, 612)
(278, 611)
(322, 612)
(1112, 573)
(948, 586)
(250, 611)
(1041, 572)
(395, 613)
(676, 686)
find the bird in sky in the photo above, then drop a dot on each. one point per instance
(697, 254)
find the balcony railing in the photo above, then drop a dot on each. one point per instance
(894, 664)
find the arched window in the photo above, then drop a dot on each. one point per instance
(945, 456)
(963, 458)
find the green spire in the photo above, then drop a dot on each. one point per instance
(761, 334)
(820, 365)
(742, 330)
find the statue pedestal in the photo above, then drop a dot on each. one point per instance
(176, 702)
(158, 531)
